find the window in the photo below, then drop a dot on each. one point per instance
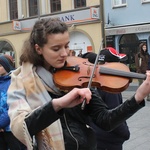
(33, 7)
(79, 3)
(119, 3)
(13, 9)
(55, 5)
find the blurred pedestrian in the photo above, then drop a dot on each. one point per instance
(141, 62)
(110, 140)
(7, 139)
(80, 53)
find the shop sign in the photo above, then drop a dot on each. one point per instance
(94, 13)
(127, 30)
(73, 17)
(16, 25)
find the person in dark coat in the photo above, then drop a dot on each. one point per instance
(141, 59)
(110, 140)
(141, 62)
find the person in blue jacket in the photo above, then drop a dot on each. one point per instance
(110, 140)
(7, 139)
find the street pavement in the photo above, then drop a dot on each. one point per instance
(139, 123)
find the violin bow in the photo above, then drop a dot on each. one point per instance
(92, 74)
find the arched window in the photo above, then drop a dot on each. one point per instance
(6, 48)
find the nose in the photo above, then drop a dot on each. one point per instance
(64, 52)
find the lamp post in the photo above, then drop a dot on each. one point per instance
(38, 6)
(102, 23)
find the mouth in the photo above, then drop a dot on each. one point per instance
(62, 60)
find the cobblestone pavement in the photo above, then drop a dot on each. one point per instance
(139, 124)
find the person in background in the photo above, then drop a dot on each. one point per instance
(73, 53)
(80, 53)
(41, 114)
(7, 139)
(109, 140)
(141, 62)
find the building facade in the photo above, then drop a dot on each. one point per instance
(127, 24)
(18, 16)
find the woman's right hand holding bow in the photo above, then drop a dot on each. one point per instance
(73, 98)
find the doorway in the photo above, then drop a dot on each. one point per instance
(128, 45)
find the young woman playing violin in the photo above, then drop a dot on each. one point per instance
(44, 116)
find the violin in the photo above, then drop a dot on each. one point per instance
(113, 77)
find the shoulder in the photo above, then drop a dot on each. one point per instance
(137, 54)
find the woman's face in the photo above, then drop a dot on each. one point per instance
(144, 48)
(55, 51)
(2, 71)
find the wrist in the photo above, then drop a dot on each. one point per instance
(56, 104)
(139, 98)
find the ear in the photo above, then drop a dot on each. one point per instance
(38, 49)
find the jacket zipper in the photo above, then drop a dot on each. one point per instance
(71, 132)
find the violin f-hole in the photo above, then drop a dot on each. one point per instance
(85, 77)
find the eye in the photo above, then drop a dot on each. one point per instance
(56, 49)
(67, 46)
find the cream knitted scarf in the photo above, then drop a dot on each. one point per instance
(27, 92)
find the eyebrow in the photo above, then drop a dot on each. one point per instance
(59, 44)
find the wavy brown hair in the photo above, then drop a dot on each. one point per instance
(141, 48)
(38, 35)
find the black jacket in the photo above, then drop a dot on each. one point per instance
(77, 135)
(111, 140)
